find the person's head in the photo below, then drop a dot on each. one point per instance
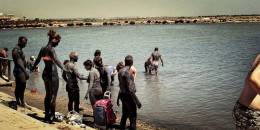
(65, 62)
(73, 56)
(6, 49)
(88, 64)
(22, 41)
(97, 53)
(119, 66)
(51, 34)
(32, 58)
(128, 60)
(55, 40)
(98, 61)
(156, 49)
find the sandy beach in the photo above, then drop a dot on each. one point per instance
(29, 118)
(36, 100)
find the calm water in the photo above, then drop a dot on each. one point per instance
(205, 66)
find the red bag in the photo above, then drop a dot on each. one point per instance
(104, 115)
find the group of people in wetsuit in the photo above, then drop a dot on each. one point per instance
(99, 80)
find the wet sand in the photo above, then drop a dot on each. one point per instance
(37, 99)
(29, 118)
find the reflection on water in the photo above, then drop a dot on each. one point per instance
(205, 66)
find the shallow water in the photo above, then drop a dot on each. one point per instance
(205, 66)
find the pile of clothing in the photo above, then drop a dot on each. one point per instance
(75, 119)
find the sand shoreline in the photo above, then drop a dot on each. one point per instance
(36, 100)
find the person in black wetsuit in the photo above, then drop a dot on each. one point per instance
(105, 78)
(50, 74)
(127, 95)
(70, 76)
(97, 56)
(94, 91)
(19, 71)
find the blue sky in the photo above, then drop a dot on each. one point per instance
(126, 8)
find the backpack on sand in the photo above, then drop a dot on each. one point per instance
(104, 115)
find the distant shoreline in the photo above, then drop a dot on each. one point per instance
(87, 22)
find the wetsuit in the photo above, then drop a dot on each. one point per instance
(50, 78)
(128, 98)
(96, 60)
(94, 88)
(70, 76)
(105, 79)
(20, 74)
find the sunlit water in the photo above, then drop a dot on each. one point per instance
(205, 66)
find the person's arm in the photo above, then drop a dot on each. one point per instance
(79, 76)
(161, 59)
(136, 100)
(254, 78)
(38, 59)
(118, 97)
(114, 72)
(108, 80)
(56, 60)
(64, 76)
(151, 58)
(91, 82)
(256, 61)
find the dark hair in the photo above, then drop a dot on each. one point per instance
(97, 53)
(65, 62)
(21, 38)
(57, 37)
(128, 60)
(88, 63)
(6, 49)
(156, 49)
(51, 34)
(119, 66)
(98, 61)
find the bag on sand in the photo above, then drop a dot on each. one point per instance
(104, 115)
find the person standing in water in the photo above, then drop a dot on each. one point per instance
(246, 112)
(20, 73)
(127, 94)
(155, 57)
(70, 76)
(94, 91)
(50, 74)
